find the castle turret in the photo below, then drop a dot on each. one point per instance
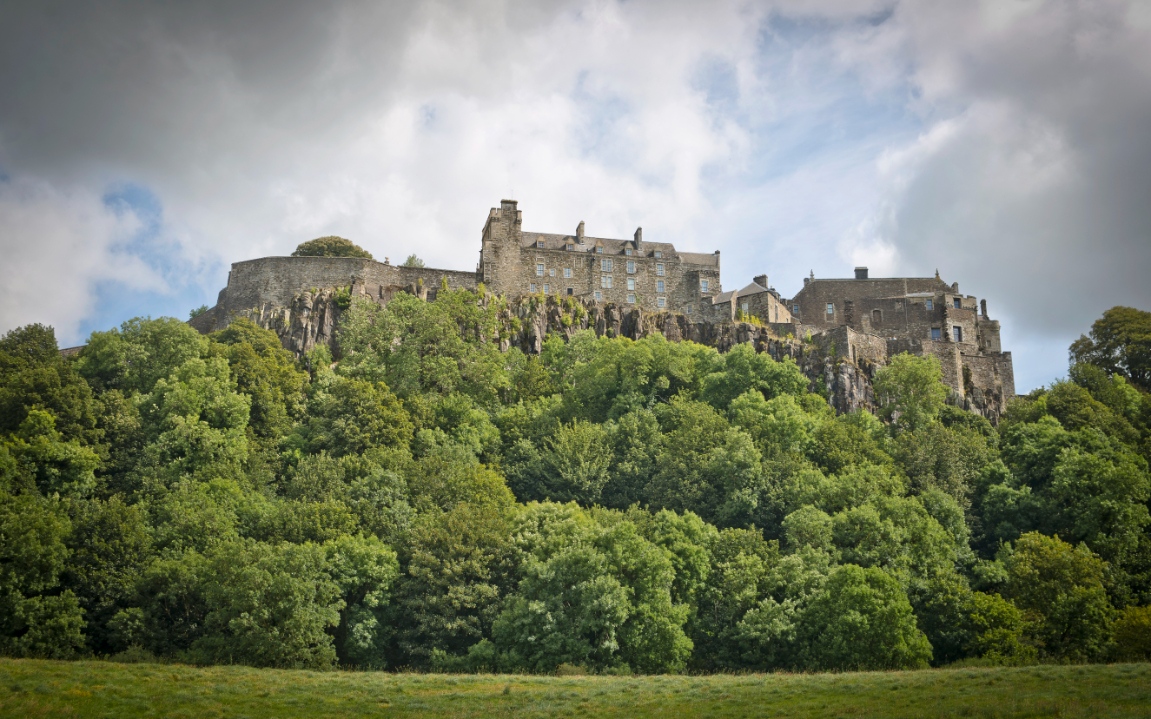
(503, 235)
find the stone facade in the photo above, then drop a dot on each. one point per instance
(650, 275)
(919, 315)
(860, 321)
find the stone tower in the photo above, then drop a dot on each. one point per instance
(500, 251)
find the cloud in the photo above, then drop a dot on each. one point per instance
(1003, 143)
(58, 247)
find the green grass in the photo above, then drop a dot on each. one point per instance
(34, 688)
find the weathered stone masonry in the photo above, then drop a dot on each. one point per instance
(636, 287)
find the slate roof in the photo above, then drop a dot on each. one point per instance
(613, 247)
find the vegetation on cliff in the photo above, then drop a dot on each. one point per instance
(330, 246)
(615, 505)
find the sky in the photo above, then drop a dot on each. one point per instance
(144, 147)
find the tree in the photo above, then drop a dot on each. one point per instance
(33, 376)
(911, 390)
(36, 618)
(413, 261)
(330, 246)
(862, 620)
(457, 575)
(1119, 343)
(1060, 590)
(142, 351)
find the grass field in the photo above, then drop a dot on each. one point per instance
(32, 688)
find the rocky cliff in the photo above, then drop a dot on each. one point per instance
(312, 317)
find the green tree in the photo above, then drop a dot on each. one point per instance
(37, 619)
(413, 261)
(911, 390)
(142, 351)
(330, 246)
(1119, 343)
(33, 376)
(743, 370)
(457, 573)
(861, 619)
(110, 545)
(1060, 590)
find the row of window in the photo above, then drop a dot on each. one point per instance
(928, 304)
(956, 334)
(659, 301)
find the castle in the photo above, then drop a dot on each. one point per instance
(862, 320)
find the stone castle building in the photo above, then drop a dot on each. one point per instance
(866, 320)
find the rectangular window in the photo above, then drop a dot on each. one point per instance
(605, 265)
(658, 255)
(957, 303)
(552, 272)
(661, 301)
(631, 283)
(627, 251)
(659, 270)
(570, 291)
(631, 267)
(539, 270)
(702, 283)
(795, 309)
(659, 286)
(540, 244)
(930, 305)
(744, 307)
(567, 273)
(599, 250)
(605, 282)
(545, 289)
(687, 309)
(936, 334)
(598, 296)
(570, 247)
(957, 334)
(631, 299)
(533, 290)
(830, 308)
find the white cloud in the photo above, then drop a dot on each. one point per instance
(57, 247)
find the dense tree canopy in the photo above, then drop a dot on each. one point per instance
(622, 506)
(330, 246)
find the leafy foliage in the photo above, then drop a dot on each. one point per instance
(607, 505)
(330, 246)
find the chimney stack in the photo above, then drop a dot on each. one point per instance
(861, 273)
(579, 232)
(638, 237)
(983, 307)
(760, 280)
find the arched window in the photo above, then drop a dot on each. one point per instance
(876, 317)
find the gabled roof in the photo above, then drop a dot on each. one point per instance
(610, 246)
(753, 289)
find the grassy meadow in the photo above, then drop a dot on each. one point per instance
(35, 688)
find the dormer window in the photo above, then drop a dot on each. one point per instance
(627, 251)
(571, 247)
(599, 250)
(658, 254)
(540, 244)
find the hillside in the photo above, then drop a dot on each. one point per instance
(431, 500)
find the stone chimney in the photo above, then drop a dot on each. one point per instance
(861, 273)
(579, 232)
(760, 280)
(983, 307)
(638, 237)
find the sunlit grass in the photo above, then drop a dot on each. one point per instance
(32, 688)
